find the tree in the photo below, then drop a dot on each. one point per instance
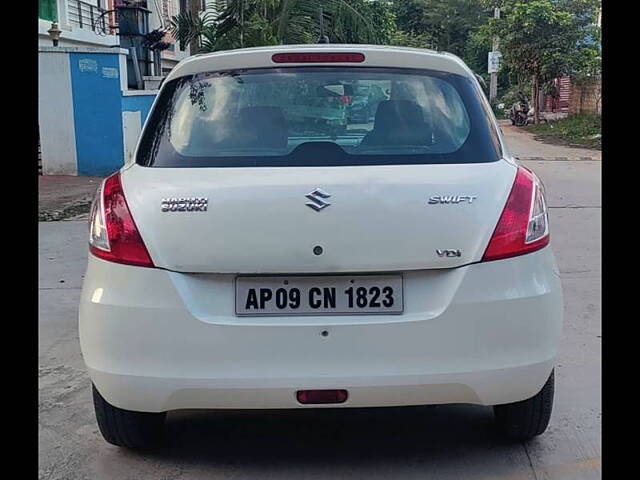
(586, 65)
(248, 23)
(538, 38)
(446, 25)
(407, 39)
(194, 10)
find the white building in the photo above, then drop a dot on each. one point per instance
(88, 23)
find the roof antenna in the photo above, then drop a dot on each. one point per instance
(322, 38)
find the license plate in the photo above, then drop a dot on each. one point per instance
(319, 295)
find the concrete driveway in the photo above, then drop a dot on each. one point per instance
(444, 442)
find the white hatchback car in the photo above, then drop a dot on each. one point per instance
(262, 251)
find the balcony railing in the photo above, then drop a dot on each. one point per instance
(86, 15)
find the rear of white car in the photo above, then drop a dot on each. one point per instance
(265, 252)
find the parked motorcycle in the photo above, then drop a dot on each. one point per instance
(519, 112)
(531, 114)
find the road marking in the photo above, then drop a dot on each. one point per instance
(560, 159)
(577, 467)
(574, 206)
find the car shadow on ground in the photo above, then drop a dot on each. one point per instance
(320, 437)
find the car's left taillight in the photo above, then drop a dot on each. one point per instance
(113, 234)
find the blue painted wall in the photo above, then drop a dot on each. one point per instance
(97, 112)
(141, 103)
(138, 103)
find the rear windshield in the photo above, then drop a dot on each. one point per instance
(318, 116)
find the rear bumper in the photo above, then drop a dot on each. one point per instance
(483, 334)
(480, 387)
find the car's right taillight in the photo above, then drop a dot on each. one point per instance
(524, 224)
(113, 234)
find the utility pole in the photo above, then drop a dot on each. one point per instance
(241, 23)
(493, 85)
(322, 38)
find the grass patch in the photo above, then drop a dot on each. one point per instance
(575, 130)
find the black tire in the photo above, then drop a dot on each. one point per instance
(528, 418)
(126, 428)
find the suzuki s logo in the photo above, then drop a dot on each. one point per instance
(448, 253)
(317, 198)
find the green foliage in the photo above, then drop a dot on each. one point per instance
(511, 94)
(445, 24)
(546, 38)
(475, 52)
(185, 27)
(543, 39)
(405, 39)
(249, 23)
(383, 20)
(581, 130)
(586, 63)
(536, 37)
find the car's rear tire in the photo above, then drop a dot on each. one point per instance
(528, 418)
(126, 428)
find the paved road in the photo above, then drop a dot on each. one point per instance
(65, 196)
(444, 442)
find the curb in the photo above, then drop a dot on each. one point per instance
(74, 211)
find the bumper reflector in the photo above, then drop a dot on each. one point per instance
(321, 396)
